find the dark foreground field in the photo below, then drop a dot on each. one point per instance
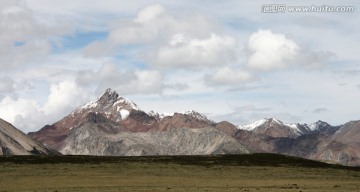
(257, 172)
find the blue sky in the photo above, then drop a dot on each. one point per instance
(228, 60)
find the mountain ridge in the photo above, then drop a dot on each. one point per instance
(114, 125)
(103, 121)
(15, 142)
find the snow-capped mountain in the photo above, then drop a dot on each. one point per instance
(113, 117)
(111, 104)
(191, 113)
(318, 141)
(114, 125)
(275, 128)
(321, 126)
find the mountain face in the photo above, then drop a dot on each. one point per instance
(113, 125)
(275, 128)
(15, 142)
(90, 140)
(318, 141)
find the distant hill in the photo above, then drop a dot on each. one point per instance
(15, 142)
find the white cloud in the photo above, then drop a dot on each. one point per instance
(184, 52)
(23, 38)
(20, 113)
(28, 115)
(186, 41)
(228, 76)
(271, 51)
(125, 81)
(6, 85)
(64, 96)
(144, 28)
(147, 82)
(150, 13)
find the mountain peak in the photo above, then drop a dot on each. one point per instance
(197, 115)
(261, 122)
(273, 120)
(191, 113)
(109, 93)
(318, 125)
(108, 102)
(273, 127)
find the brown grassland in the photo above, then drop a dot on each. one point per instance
(257, 172)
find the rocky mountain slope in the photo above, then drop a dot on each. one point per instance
(275, 128)
(15, 142)
(318, 141)
(113, 125)
(90, 140)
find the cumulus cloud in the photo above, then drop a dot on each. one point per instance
(151, 23)
(64, 96)
(125, 81)
(10, 106)
(185, 52)
(228, 76)
(28, 115)
(144, 28)
(269, 51)
(187, 41)
(21, 112)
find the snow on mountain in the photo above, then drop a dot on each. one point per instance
(197, 115)
(124, 113)
(270, 121)
(319, 125)
(252, 126)
(110, 104)
(274, 127)
(191, 113)
(160, 115)
(114, 125)
(125, 101)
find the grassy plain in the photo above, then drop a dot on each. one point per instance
(257, 172)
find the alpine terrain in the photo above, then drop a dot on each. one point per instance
(113, 125)
(15, 142)
(318, 141)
